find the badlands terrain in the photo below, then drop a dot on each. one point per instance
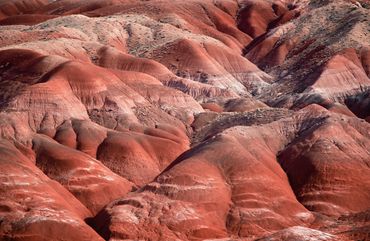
(184, 120)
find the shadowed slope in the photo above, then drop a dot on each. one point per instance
(158, 120)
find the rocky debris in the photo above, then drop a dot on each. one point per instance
(184, 120)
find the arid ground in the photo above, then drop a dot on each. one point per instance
(179, 120)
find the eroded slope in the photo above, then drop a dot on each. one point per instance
(184, 120)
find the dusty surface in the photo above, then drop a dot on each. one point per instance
(184, 120)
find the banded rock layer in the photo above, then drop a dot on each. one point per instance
(184, 120)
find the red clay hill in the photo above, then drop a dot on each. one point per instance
(184, 120)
